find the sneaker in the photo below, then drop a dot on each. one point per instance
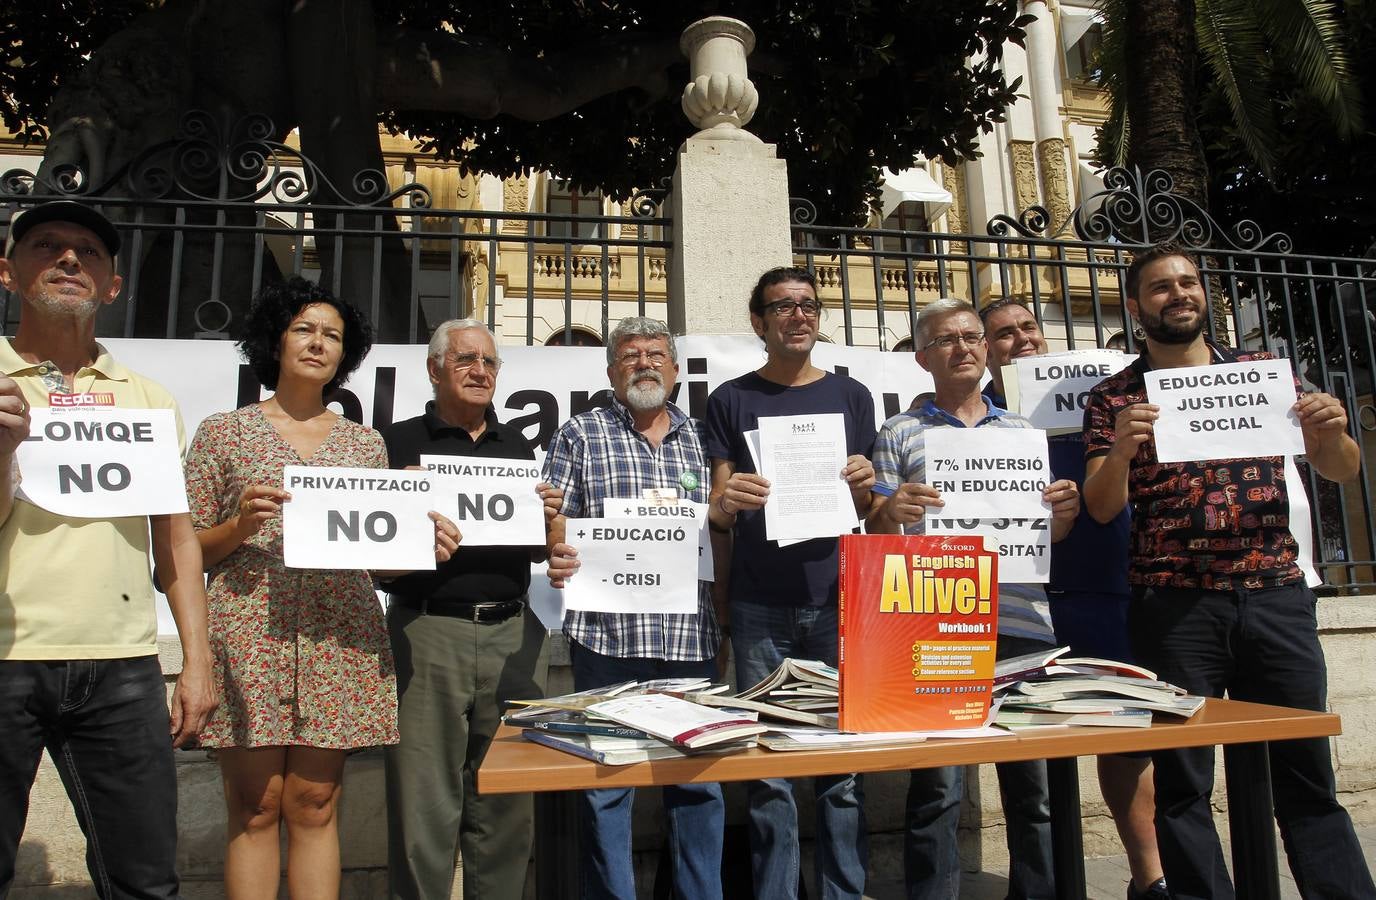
(1155, 891)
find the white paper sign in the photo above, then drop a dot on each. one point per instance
(670, 507)
(492, 501)
(802, 457)
(102, 462)
(1024, 545)
(1053, 389)
(1225, 411)
(633, 565)
(340, 518)
(988, 473)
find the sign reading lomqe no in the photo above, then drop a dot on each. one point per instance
(102, 462)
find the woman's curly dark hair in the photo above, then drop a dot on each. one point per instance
(274, 308)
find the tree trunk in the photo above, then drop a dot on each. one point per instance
(1162, 94)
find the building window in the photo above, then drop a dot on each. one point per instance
(565, 200)
(1082, 59)
(911, 216)
(578, 337)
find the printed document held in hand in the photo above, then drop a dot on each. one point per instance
(802, 456)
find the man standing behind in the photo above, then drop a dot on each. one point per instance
(1219, 603)
(465, 642)
(641, 446)
(952, 348)
(1089, 598)
(79, 667)
(783, 599)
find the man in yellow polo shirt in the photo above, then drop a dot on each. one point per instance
(79, 668)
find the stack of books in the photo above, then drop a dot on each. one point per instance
(1054, 688)
(636, 722)
(802, 691)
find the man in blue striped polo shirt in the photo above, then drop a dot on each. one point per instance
(952, 348)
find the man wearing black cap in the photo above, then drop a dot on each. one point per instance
(79, 669)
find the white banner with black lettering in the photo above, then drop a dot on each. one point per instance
(633, 565)
(1052, 389)
(492, 501)
(102, 462)
(340, 518)
(987, 473)
(1024, 545)
(1225, 411)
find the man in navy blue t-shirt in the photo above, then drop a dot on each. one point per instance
(782, 600)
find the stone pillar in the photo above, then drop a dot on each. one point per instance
(1042, 50)
(729, 203)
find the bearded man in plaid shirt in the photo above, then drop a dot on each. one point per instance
(640, 446)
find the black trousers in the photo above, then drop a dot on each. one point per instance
(1260, 646)
(105, 724)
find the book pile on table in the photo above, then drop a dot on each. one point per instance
(802, 691)
(794, 708)
(1053, 688)
(636, 722)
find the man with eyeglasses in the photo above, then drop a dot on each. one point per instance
(952, 348)
(1089, 596)
(640, 445)
(783, 599)
(465, 642)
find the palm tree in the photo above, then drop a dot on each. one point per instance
(1150, 62)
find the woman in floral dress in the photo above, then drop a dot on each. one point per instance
(302, 658)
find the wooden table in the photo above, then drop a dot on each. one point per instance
(514, 765)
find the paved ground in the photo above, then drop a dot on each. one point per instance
(1105, 877)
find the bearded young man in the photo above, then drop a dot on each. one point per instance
(1219, 603)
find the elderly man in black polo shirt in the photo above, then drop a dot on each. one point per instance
(465, 641)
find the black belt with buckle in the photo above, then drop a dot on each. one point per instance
(483, 613)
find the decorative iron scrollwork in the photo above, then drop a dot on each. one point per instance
(1030, 223)
(239, 164)
(646, 203)
(1143, 209)
(801, 211)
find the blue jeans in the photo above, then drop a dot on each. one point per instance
(696, 812)
(931, 857)
(104, 723)
(762, 636)
(1261, 646)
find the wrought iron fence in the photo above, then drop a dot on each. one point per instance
(209, 217)
(1316, 310)
(212, 215)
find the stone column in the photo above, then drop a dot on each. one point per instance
(1042, 50)
(729, 204)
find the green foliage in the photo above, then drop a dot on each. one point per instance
(44, 41)
(845, 87)
(1251, 50)
(1321, 186)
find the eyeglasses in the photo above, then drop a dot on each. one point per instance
(461, 361)
(948, 341)
(656, 358)
(782, 309)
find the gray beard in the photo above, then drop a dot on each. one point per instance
(646, 399)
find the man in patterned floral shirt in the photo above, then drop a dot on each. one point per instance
(1219, 601)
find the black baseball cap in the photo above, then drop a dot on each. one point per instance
(63, 211)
